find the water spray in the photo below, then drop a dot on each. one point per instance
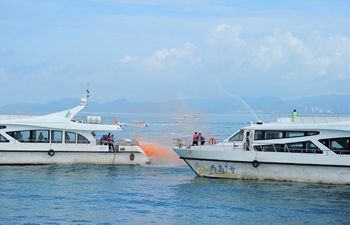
(238, 98)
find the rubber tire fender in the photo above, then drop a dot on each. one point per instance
(51, 152)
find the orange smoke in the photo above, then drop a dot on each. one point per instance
(154, 150)
(161, 154)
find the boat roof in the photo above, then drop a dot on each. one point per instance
(59, 120)
(303, 123)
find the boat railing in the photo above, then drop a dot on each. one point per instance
(278, 147)
(309, 119)
(120, 142)
(188, 142)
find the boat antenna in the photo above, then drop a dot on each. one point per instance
(84, 101)
(87, 91)
(238, 98)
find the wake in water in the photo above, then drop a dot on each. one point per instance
(236, 97)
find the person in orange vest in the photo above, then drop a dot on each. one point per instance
(195, 139)
(111, 142)
(201, 138)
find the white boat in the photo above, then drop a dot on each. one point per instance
(133, 123)
(177, 120)
(59, 139)
(310, 149)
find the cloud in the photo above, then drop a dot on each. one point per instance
(127, 59)
(225, 35)
(164, 58)
(279, 61)
(277, 54)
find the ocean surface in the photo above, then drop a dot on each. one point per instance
(165, 192)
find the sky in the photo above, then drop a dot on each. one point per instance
(162, 50)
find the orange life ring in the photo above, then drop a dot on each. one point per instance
(138, 143)
(212, 141)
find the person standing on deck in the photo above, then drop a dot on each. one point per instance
(202, 138)
(111, 142)
(294, 114)
(247, 141)
(195, 139)
(199, 137)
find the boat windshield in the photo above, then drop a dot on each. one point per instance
(237, 137)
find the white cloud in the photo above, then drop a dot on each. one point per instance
(279, 61)
(225, 35)
(128, 59)
(165, 58)
(143, 50)
(185, 52)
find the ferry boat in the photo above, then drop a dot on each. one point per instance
(308, 149)
(58, 138)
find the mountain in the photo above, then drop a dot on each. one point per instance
(316, 104)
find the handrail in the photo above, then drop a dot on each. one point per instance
(311, 119)
(263, 147)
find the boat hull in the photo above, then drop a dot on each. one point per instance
(71, 157)
(267, 171)
(250, 165)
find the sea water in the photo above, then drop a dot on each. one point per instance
(165, 192)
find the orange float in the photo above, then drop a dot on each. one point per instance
(212, 141)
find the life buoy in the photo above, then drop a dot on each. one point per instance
(138, 143)
(51, 152)
(132, 156)
(255, 163)
(212, 141)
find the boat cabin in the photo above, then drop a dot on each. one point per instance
(288, 141)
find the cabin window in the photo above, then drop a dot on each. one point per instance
(237, 137)
(295, 134)
(40, 136)
(338, 145)
(303, 147)
(82, 139)
(70, 137)
(312, 148)
(3, 139)
(30, 136)
(273, 135)
(2, 127)
(268, 148)
(310, 133)
(299, 147)
(258, 135)
(21, 136)
(279, 147)
(56, 136)
(295, 147)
